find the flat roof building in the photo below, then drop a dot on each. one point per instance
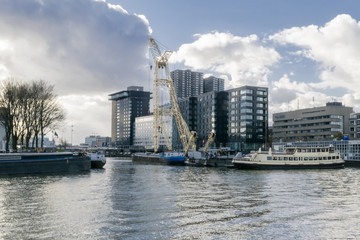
(187, 83)
(213, 84)
(311, 124)
(126, 106)
(248, 118)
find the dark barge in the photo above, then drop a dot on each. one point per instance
(25, 163)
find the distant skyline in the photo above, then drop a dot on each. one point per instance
(306, 52)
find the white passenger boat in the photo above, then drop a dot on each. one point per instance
(98, 159)
(291, 158)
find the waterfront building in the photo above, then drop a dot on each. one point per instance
(354, 126)
(248, 118)
(206, 113)
(213, 84)
(144, 132)
(126, 106)
(312, 124)
(213, 117)
(187, 83)
(97, 141)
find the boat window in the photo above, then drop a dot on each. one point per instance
(329, 157)
(313, 150)
(308, 150)
(280, 158)
(285, 158)
(310, 158)
(333, 157)
(315, 158)
(295, 158)
(275, 158)
(337, 157)
(269, 158)
(306, 158)
(290, 158)
(300, 158)
(318, 150)
(320, 158)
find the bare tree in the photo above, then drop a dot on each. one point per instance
(7, 101)
(49, 112)
(28, 110)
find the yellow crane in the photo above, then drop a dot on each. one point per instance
(187, 137)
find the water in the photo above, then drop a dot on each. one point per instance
(133, 201)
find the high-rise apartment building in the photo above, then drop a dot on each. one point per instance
(312, 124)
(187, 83)
(213, 84)
(248, 118)
(126, 106)
(204, 114)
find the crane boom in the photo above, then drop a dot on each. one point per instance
(187, 137)
(211, 138)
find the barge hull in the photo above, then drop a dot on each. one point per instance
(157, 159)
(43, 164)
(285, 167)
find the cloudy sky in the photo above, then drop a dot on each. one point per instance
(307, 52)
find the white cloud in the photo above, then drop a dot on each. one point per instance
(242, 58)
(82, 47)
(334, 46)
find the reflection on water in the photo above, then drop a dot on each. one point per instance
(133, 201)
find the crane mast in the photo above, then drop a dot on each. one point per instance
(187, 137)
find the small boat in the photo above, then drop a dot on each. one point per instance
(291, 158)
(166, 158)
(97, 159)
(59, 162)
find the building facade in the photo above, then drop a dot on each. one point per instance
(126, 106)
(144, 132)
(354, 126)
(248, 118)
(213, 84)
(97, 141)
(187, 83)
(312, 124)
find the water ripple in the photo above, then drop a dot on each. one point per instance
(133, 201)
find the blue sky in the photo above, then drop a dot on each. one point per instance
(306, 52)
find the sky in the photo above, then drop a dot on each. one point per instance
(306, 52)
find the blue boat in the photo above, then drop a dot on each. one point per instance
(166, 158)
(25, 163)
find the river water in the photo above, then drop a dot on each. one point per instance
(134, 201)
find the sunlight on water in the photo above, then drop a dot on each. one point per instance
(133, 201)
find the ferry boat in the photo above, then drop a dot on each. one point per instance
(97, 158)
(166, 158)
(25, 163)
(291, 158)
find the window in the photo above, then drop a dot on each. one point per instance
(246, 91)
(246, 98)
(246, 110)
(246, 104)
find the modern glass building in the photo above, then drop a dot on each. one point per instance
(248, 118)
(126, 106)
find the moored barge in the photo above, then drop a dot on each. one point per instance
(25, 163)
(165, 158)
